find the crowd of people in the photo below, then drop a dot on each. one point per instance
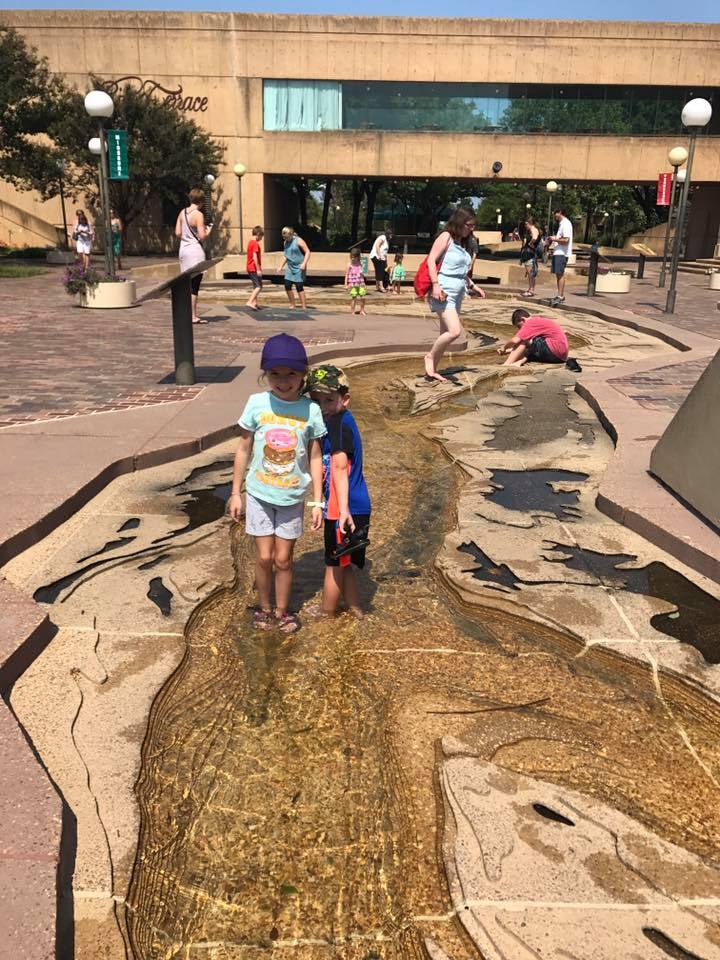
(450, 263)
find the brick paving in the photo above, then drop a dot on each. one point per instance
(696, 311)
(664, 388)
(61, 361)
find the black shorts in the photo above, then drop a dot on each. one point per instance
(195, 283)
(255, 280)
(362, 523)
(380, 267)
(540, 352)
(289, 284)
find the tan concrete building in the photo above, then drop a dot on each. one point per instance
(399, 98)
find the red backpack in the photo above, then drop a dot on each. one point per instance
(422, 282)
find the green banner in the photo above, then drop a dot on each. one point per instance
(118, 168)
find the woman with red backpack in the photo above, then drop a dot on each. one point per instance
(448, 267)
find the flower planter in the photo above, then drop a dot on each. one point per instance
(109, 296)
(613, 282)
(715, 280)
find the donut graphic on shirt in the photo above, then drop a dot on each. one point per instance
(280, 451)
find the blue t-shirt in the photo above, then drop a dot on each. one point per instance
(279, 470)
(343, 436)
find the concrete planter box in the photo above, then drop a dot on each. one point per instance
(715, 280)
(109, 296)
(613, 282)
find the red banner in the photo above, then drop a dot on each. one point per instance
(664, 189)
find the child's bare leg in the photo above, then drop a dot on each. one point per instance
(264, 559)
(291, 296)
(332, 590)
(350, 592)
(303, 300)
(517, 357)
(283, 573)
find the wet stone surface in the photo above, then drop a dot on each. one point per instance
(474, 769)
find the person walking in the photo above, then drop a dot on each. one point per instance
(378, 256)
(254, 266)
(83, 234)
(561, 252)
(297, 254)
(448, 265)
(191, 229)
(529, 255)
(116, 231)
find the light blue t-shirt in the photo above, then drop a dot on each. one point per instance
(279, 470)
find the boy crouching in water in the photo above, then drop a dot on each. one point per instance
(347, 502)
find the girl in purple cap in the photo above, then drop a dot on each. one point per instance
(280, 450)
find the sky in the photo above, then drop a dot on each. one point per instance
(689, 11)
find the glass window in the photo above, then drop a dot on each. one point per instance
(479, 107)
(302, 105)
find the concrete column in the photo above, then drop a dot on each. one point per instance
(280, 209)
(703, 222)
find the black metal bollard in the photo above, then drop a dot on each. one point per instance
(641, 267)
(592, 272)
(180, 294)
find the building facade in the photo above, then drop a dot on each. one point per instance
(388, 98)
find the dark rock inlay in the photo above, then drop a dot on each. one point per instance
(203, 506)
(160, 595)
(132, 524)
(107, 547)
(697, 619)
(551, 814)
(668, 946)
(497, 574)
(531, 491)
(149, 564)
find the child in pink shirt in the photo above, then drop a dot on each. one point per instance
(538, 339)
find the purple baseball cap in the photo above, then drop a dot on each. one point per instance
(284, 351)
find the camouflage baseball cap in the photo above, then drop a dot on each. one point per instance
(326, 378)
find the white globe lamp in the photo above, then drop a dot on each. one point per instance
(696, 113)
(99, 104)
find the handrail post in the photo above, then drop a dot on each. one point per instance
(180, 293)
(592, 272)
(641, 267)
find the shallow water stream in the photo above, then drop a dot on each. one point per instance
(289, 790)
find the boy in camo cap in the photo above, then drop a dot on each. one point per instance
(347, 502)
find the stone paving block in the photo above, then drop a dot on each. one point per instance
(30, 813)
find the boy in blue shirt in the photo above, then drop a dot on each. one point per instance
(347, 502)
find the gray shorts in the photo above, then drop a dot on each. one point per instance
(264, 519)
(559, 262)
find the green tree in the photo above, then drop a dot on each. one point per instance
(31, 100)
(167, 153)
(43, 121)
